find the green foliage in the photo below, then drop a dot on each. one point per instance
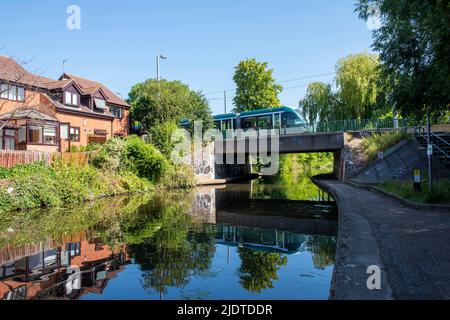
(154, 102)
(379, 142)
(259, 269)
(110, 156)
(143, 159)
(161, 136)
(293, 181)
(361, 93)
(318, 103)
(256, 87)
(92, 146)
(178, 176)
(323, 249)
(357, 79)
(404, 189)
(414, 48)
(37, 185)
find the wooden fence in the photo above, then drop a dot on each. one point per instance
(11, 158)
(80, 158)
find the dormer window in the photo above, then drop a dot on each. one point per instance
(100, 104)
(13, 93)
(70, 99)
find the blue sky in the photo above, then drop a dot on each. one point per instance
(203, 40)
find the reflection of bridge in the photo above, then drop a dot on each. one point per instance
(234, 206)
(260, 239)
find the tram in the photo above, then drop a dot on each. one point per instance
(284, 118)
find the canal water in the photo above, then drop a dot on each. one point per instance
(258, 240)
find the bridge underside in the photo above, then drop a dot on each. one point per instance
(239, 150)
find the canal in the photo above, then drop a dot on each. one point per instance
(257, 240)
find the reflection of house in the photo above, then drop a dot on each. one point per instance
(54, 114)
(66, 272)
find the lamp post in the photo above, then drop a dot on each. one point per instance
(159, 56)
(64, 64)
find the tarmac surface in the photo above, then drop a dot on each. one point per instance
(411, 247)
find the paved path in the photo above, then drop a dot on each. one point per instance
(412, 247)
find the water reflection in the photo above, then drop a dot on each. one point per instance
(214, 243)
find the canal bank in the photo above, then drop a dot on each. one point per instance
(410, 246)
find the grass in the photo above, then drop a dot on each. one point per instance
(404, 189)
(379, 142)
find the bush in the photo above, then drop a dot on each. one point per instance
(161, 137)
(37, 185)
(110, 156)
(144, 159)
(92, 146)
(178, 176)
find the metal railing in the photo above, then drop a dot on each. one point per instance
(351, 125)
(422, 132)
(361, 125)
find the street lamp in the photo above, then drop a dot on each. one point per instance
(159, 56)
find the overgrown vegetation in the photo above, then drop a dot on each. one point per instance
(379, 142)
(37, 185)
(294, 177)
(122, 166)
(404, 189)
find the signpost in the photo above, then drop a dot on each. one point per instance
(417, 180)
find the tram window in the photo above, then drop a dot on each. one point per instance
(249, 123)
(217, 124)
(277, 124)
(264, 122)
(290, 120)
(226, 124)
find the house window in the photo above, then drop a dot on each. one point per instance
(70, 98)
(22, 135)
(116, 111)
(4, 91)
(64, 131)
(100, 104)
(42, 134)
(13, 93)
(21, 94)
(49, 135)
(35, 134)
(74, 134)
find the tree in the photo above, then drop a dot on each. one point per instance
(258, 269)
(318, 103)
(414, 47)
(256, 88)
(357, 78)
(156, 102)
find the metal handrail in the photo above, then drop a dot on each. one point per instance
(420, 130)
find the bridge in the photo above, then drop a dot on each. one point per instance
(321, 137)
(248, 147)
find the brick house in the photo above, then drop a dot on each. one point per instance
(53, 115)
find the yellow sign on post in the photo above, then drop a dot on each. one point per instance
(417, 179)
